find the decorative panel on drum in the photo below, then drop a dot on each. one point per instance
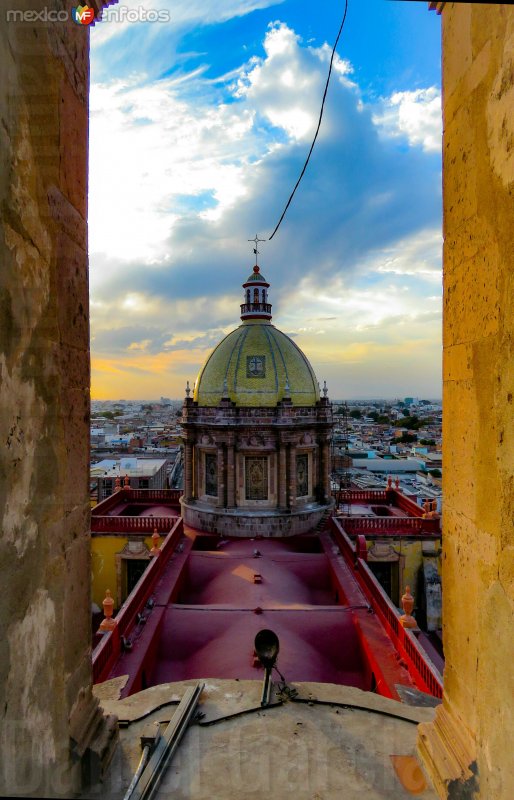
(256, 478)
(211, 474)
(302, 475)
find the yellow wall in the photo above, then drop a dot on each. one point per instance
(476, 721)
(103, 564)
(411, 553)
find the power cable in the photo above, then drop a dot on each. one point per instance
(319, 123)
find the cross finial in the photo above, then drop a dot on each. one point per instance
(256, 241)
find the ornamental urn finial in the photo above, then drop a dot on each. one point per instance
(156, 550)
(108, 623)
(407, 620)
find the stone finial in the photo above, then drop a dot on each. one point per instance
(225, 395)
(427, 506)
(126, 482)
(325, 389)
(117, 484)
(389, 482)
(156, 550)
(407, 620)
(397, 483)
(287, 390)
(108, 623)
(188, 389)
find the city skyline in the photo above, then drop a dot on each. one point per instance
(197, 137)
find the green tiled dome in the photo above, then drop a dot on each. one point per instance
(256, 361)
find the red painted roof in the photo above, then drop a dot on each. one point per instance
(314, 591)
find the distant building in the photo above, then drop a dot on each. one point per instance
(148, 473)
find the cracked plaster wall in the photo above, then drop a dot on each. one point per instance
(44, 398)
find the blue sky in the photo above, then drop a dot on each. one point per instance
(199, 127)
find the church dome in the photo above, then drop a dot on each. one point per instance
(256, 365)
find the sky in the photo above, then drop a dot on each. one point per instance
(199, 127)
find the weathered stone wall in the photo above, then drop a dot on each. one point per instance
(45, 669)
(478, 424)
(249, 524)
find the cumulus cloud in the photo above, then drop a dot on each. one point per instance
(414, 115)
(184, 171)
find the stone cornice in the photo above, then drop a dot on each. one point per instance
(434, 6)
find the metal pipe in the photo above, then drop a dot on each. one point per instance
(167, 744)
(138, 772)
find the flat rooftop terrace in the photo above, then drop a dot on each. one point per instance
(238, 587)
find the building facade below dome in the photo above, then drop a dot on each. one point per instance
(256, 433)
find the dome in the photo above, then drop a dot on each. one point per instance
(252, 365)
(256, 276)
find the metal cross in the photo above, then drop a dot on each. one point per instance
(256, 242)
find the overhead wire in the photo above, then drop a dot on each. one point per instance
(319, 123)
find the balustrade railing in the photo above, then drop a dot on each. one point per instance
(405, 642)
(255, 308)
(127, 495)
(108, 651)
(131, 524)
(162, 495)
(409, 525)
(360, 496)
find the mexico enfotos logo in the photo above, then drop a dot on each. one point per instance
(85, 15)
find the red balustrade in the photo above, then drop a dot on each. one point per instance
(108, 651)
(127, 495)
(105, 655)
(159, 495)
(132, 524)
(397, 525)
(424, 672)
(360, 496)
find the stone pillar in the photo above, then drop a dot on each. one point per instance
(51, 724)
(325, 469)
(188, 471)
(231, 475)
(282, 475)
(221, 476)
(467, 750)
(292, 476)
